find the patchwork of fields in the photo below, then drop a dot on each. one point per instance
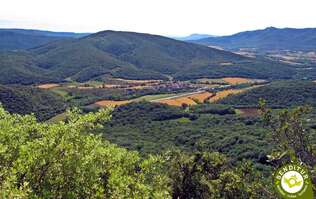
(193, 93)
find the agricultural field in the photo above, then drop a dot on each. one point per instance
(236, 80)
(175, 99)
(201, 97)
(297, 58)
(106, 103)
(92, 95)
(229, 81)
(178, 101)
(188, 99)
(154, 97)
(48, 86)
(222, 94)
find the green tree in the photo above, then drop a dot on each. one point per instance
(65, 160)
(210, 175)
(291, 135)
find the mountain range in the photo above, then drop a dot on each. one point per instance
(193, 37)
(14, 39)
(266, 40)
(129, 55)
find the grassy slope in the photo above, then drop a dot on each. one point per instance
(267, 39)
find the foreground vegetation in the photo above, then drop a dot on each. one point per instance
(65, 160)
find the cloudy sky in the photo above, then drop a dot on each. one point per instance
(165, 17)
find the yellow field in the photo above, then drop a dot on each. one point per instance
(178, 101)
(189, 99)
(222, 94)
(201, 97)
(236, 80)
(105, 103)
(47, 86)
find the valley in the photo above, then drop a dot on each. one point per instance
(188, 86)
(116, 91)
(140, 100)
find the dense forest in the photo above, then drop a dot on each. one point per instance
(66, 160)
(277, 94)
(27, 100)
(131, 56)
(17, 39)
(267, 39)
(156, 127)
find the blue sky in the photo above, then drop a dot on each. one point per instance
(164, 17)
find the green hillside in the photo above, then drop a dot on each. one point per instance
(21, 68)
(277, 94)
(138, 56)
(14, 39)
(27, 100)
(267, 39)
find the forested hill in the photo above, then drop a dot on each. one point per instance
(133, 56)
(15, 39)
(267, 39)
(27, 100)
(277, 94)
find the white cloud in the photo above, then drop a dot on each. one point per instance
(167, 17)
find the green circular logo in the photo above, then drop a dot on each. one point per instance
(293, 181)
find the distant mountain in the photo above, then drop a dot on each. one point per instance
(268, 39)
(193, 37)
(16, 39)
(132, 56)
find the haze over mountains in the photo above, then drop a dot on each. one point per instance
(193, 37)
(267, 39)
(13, 39)
(132, 56)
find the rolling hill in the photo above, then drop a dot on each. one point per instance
(14, 39)
(21, 68)
(277, 94)
(268, 39)
(133, 56)
(26, 100)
